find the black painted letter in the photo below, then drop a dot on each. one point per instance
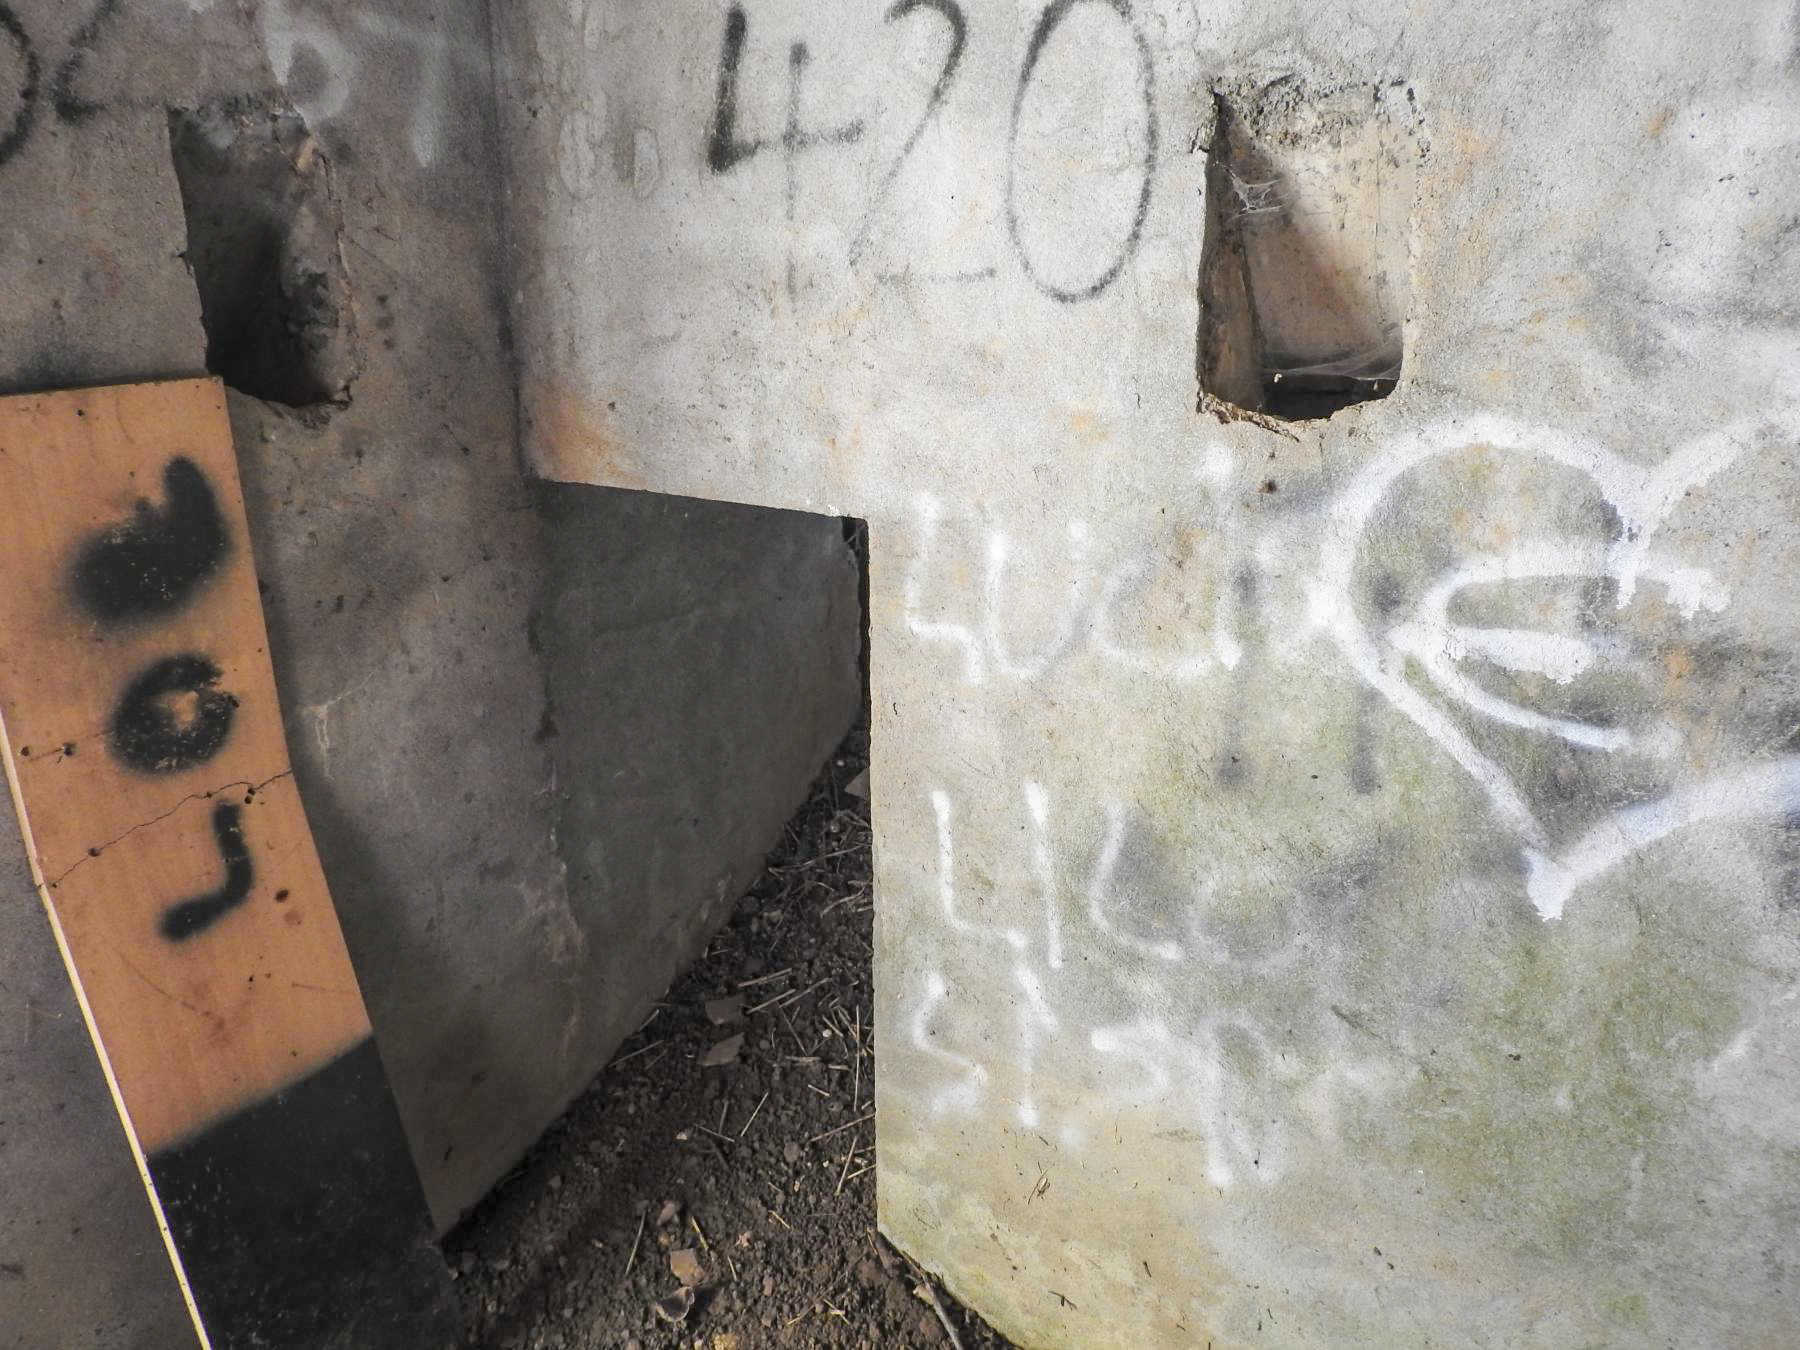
(1054, 13)
(150, 564)
(173, 717)
(15, 135)
(192, 917)
(69, 105)
(724, 149)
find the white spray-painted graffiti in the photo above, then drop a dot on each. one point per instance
(1643, 498)
(317, 62)
(1213, 1078)
(1094, 596)
(291, 35)
(1424, 639)
(1200, 1060)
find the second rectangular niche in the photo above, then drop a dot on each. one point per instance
(1303, 274)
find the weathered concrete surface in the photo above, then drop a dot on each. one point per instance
(686, 641)
(1336, 878)
(81, 1260)
(539, 741)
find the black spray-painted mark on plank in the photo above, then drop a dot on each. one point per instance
(173, 716)
(193, 917)
(1047, 24)
(70, 106)
(19, 130)
(150, 565)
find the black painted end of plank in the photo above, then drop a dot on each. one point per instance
(301, 1224)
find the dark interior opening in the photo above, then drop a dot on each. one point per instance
(263, 247)
(1303, 279)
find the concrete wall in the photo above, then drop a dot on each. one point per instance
(83, 1263)
(1336, 873)
(543, 736)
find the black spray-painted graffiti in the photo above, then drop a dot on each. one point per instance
(726, 151)
(24, 117)
(952, 14)
(67, 102)
(172, 716)
(192, 917)
(1034, 51)
(149, 565)
(723, 148)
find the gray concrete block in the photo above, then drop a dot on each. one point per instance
(542, 739)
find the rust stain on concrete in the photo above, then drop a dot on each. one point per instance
(573, 439)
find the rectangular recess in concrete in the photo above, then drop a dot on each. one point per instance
(1303, 276)
(263, 226)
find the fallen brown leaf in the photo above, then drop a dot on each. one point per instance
(684, 1264)
(724, 1011)
(725, 1052)
(676, 1306)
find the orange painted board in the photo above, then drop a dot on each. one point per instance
(144, 746)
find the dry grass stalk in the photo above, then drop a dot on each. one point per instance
(753, 1115)
(783, 973)
(631, 1260)
(642, 1049)
(850, 1125)
(937, 1303)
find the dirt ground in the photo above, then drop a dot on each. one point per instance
(714, 1189)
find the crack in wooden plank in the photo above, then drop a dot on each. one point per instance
(98, 849)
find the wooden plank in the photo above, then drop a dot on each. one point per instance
(144, 748)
